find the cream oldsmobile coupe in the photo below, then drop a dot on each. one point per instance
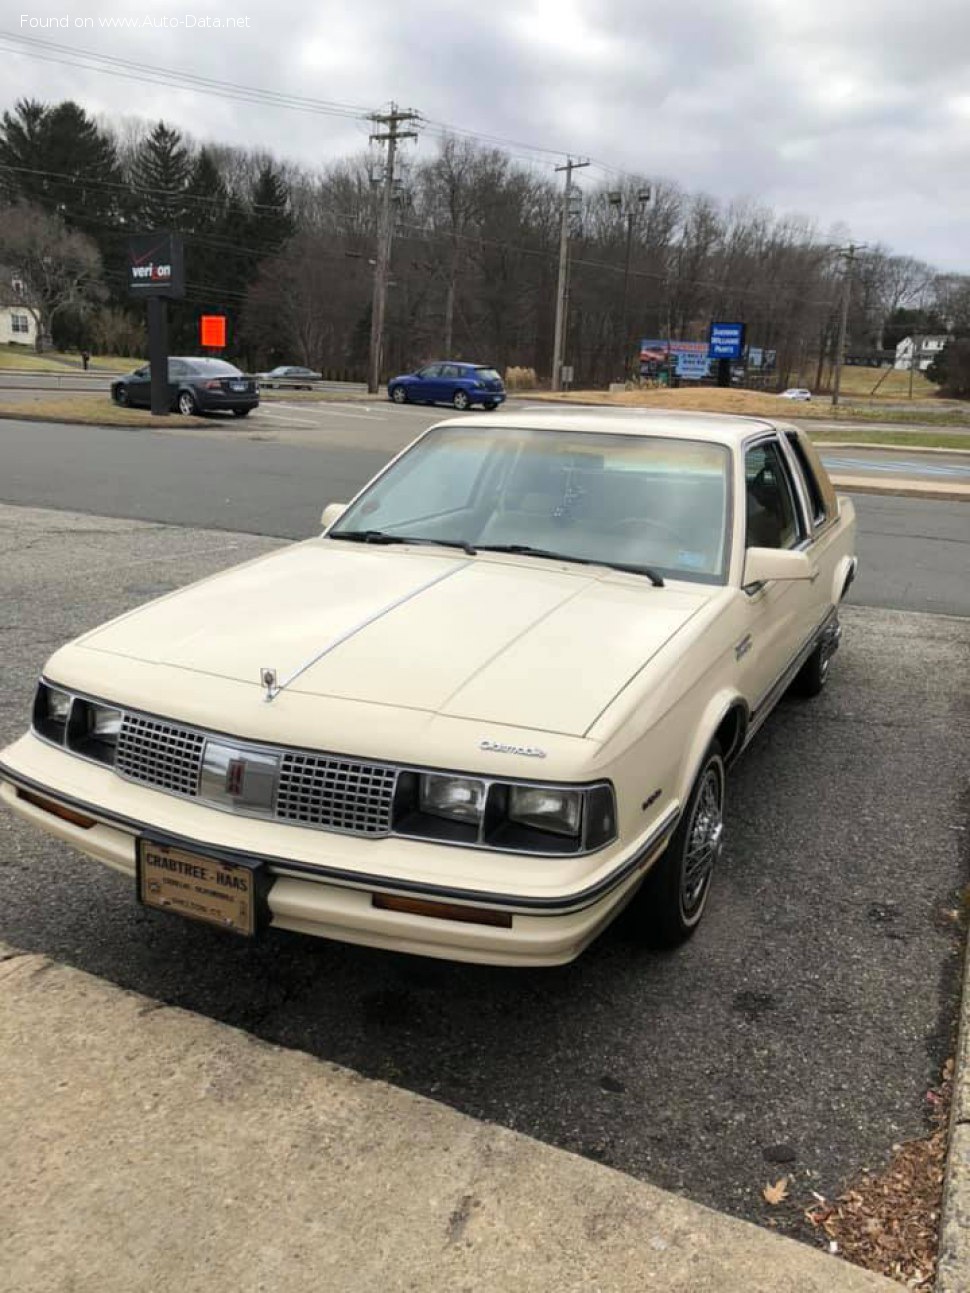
(487, 708)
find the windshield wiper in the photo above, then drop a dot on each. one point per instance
(527, 550)
(379, 536)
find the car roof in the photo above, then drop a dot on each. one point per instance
(723, 428)
(458, 363)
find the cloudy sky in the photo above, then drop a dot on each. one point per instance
(855, 113)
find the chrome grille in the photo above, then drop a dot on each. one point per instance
(159, 754)
(339, 794)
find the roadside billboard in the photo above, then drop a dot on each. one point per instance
(691, 358)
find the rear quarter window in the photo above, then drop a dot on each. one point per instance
(820, 506)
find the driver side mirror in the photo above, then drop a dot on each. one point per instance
(763, 564)
(332, 513)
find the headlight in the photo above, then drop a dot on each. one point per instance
(459, 798)
(511, 817)
(546, 810)
(93, 730)
(52, 708)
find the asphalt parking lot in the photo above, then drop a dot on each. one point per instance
(275, 479)
(796, 1034)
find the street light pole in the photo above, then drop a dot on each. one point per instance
(630, 215)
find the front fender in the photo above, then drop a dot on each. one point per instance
(718, 708)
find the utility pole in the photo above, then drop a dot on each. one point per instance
(557, 345)
(393, 120)
(848, 253)
(913, 360)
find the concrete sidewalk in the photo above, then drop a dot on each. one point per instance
(148, 1148)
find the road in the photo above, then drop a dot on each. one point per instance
(797, 1033)
(274, 476)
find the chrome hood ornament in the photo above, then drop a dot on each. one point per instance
(267, 678)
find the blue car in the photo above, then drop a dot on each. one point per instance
(461, 385)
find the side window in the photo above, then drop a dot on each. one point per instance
(432, 370)
(773, 520)
(451, 370)
(815, 498)
(176, 368)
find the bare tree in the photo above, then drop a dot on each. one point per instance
(60, 268)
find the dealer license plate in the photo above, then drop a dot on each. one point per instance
(188, 884)
(238, 386)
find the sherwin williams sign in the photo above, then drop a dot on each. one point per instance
(726, 341)
(155, 265)
(691, 357)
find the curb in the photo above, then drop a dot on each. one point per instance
(149, 1147)
(901, 488)
(887, 448)
(953, 1260)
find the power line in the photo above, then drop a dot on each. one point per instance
(52, 51)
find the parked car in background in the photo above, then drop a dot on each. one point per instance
(458, 384)
(796, 393)
(493, 704)
(290, 375)
(195, 385)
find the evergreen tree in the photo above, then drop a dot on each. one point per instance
(271, 221)
(22, 150)
(63, 162)
(160, 174)
(208, 194)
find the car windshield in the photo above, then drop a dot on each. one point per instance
(638, 500)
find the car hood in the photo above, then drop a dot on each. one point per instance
(507, 640)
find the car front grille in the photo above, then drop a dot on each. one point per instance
(341, 794)
(160, 754)
(318, 790)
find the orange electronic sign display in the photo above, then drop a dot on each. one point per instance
(212, 331)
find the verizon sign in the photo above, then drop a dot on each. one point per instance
(155, 265)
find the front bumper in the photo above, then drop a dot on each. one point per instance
(324, 884)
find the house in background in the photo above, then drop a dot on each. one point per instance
(18, 326)
(918, 352)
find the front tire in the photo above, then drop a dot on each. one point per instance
(673, 897)
(461, 401)
(186, 404)
(120, 394)
(399, 395)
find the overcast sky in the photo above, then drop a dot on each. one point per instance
(855, 113)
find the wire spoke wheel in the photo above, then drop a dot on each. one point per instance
(702, 845)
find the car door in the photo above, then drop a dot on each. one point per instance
(428, 385)
(780, 615)
(449, 382)
(178, 373)
(140, 387)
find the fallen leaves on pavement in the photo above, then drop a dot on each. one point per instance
(889, 1221)
(776, 1193)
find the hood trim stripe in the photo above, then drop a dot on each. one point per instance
(365, 623)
